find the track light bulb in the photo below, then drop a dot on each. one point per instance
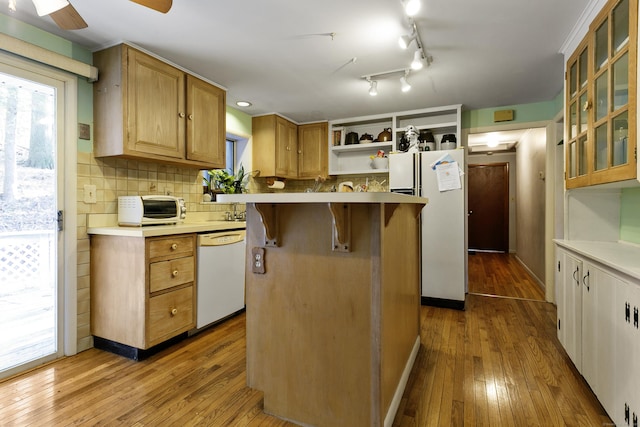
(411, 7)
(404, 84)
(373, 87)
(417, 63)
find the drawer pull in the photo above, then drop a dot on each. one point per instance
(174, 246)
(174, 311)
(174, 273)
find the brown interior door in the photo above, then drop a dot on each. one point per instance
(488, 200)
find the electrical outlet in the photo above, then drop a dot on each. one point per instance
(90, 194)
(257, 260)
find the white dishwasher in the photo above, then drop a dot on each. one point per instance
(220, 276)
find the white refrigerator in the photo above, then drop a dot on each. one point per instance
(443, 224)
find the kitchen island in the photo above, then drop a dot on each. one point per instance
(332, 297)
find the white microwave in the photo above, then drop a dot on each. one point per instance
(150, 210)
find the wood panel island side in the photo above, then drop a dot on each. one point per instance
(332, 297)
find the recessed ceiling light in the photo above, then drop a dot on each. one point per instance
(243, 104)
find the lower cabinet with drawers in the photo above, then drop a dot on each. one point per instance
(142, 290)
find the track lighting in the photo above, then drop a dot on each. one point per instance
(420, 57)
(417, 63)
(45, 7)
(405, 41)
(411, 7)
(404, 84)
(373, 87)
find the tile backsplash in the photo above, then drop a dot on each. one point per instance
(114, 177)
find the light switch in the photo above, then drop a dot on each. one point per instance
(90, 194)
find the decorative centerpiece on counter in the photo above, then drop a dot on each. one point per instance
(223, 181)
(379, 160)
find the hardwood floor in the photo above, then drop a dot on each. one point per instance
(498, 363)
(502, 275)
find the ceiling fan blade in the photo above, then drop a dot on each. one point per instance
(159, 5)
(68, 18)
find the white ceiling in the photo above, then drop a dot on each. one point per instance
(278, 54)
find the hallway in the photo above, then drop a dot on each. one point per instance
(501, 274)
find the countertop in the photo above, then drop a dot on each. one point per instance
(620, 256)
(165, 230)
(383, 197)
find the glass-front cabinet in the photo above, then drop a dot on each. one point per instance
(577, 113)
(601, 101)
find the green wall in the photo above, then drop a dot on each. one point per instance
(238, 123)
(523, 113)
(630, 215)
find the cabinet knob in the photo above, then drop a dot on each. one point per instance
(190, 116)
(181, 115)
(174, 311)
(174, 273)
(586, 106)
(299, 151)
(174, 246)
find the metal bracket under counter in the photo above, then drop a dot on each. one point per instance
(341, 225)
(269, 215)
(341, 236)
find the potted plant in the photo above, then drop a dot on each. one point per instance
(223, 181)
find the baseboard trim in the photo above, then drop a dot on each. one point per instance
(443, 303)
(134, 353)
(397, 397)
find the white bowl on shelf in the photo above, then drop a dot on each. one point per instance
(380, 163)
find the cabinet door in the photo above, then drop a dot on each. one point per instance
(627, 405)
(573, 307)
(560, 296)
(614, 39)
(286, 148)
(206, 113)
(155, 106)
(577, 104)
(312, 150)
(599, 290)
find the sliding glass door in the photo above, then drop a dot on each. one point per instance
(31, 195)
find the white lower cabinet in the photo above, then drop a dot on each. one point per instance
(570, 314)
(599, 290)
(598, 325)
(627, 408)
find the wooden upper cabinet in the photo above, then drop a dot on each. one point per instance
(601, 99)
(147, 109)
(312, 150)
(206, 110)
(286, 148)
(275, 142)
(155, 104)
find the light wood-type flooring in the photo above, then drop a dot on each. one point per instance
(498, 363)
